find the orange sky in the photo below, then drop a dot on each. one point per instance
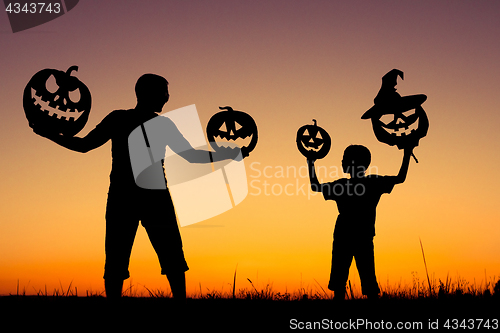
(285, 63)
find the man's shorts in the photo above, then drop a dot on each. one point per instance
(155, 210)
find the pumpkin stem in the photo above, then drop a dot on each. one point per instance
(315, 123)
(72, 68)
(228, 108)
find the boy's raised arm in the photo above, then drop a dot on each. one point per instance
(315, 185)
(403, 171)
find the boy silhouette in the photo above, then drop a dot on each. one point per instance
(357, 198)
(128, 203)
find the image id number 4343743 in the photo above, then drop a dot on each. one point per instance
(33, 7)
(455, 324)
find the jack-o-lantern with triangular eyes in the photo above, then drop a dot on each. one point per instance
(397, 120)
(57, 102)
(232, 129)
(313, 141)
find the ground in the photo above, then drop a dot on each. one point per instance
(70, 312)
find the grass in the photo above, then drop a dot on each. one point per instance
(433, 289)
(254, 307)
(251, 307)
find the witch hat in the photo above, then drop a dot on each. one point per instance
(389, 101)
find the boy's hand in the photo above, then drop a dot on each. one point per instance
(408, 150)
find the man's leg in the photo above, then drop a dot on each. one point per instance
(161, 226)
(168, 246)
(177, 285)
(121, 228)
(113, 288)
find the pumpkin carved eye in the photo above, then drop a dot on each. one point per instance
(224, 128)
(51, 84)
(74, 95)
(386, 119)
(409, 113)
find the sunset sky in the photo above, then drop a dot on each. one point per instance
(285, 63)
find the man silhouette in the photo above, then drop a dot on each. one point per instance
(357, 198)
(128, 203)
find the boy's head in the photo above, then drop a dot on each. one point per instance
(356, 160)
(152, 91)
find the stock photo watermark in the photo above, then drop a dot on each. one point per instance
(291, 180)
(24, 15)
(199, 190)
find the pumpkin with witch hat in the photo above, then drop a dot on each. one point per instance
(397, 120)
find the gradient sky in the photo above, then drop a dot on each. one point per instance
(284, 62)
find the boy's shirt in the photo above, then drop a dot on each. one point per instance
(357, 201)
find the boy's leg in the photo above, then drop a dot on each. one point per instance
(365, 262)
(341, 262)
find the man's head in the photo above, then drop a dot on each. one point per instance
(356, 160)
(152, 92)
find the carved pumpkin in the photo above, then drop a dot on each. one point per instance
(397, 120)
(229, 128)
(57, 101)
(313, 141)
(403, 129)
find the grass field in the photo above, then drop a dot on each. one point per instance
(445, 303)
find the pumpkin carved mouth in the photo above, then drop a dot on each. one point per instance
(232, 142)
(55, 112)
(310, 148)
(404, 130)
